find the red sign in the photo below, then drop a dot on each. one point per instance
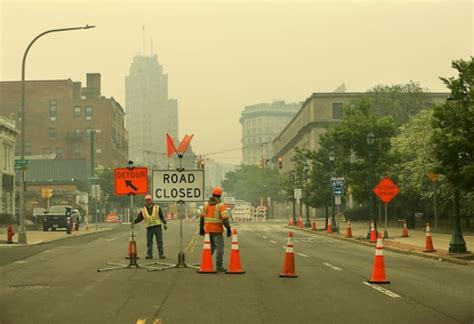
(132, 181)
(386, 190)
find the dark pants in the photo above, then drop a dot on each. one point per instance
(157, 232)
(217, 244)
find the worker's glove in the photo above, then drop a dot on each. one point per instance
(229, 232)
(201, 231)
(165, 227)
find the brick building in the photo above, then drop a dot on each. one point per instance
(59, 115)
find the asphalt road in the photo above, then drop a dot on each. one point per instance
(58, 282)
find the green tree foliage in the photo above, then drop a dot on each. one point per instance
(249, 183)
(453, 124)
(106, 182)
(399, 101)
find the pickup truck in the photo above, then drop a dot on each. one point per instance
(55, 217)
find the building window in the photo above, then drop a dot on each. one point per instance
(5, 158)
(77, 152)
(77, 111)
(53, 110)
(28, 148)
(88, 113)
(52, 133)
(89, 131)
(46, 151)
(337, 110)
(77, 132)
(59, 152)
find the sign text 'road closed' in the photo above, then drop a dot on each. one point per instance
(173, 185)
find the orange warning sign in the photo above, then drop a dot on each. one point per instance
(386, 190)
(133, 181)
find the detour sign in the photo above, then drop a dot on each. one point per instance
(386, 190)
(132, 181)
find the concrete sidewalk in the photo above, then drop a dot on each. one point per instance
(414, 244)
(34, 237)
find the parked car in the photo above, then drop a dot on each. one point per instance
(56, 217)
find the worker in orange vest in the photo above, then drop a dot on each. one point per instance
(153, 218)
(213, 218)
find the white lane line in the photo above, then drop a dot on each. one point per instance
(274, 242)
(20, 261)
(264, 236)
(115, 238)
(303, 255)
(331, 266)
(382, 290)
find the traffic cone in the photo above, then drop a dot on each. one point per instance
(206, 257)
(288, 269)
(428, 241)
(313, 225)
(348, 229)
(378, 272)
(234, 263)
(373, 234)
(405, 229)
(329, 229)
(290, 221)
(132, 249)
(300, 222)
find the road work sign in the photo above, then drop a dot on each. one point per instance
(131, 181)
(386, 190)
(174, 186)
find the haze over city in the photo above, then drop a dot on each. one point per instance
(221, 57)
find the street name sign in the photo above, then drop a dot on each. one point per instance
(298, 193)
(386, 190)
(131, 181)
(174, 185)
(338, 181)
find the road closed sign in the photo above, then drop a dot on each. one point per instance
(174, 186)
(131, 181)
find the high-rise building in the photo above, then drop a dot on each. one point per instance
(261, 123)
(150, 113)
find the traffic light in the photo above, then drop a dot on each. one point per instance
(46, 193)
(260, 163)
(280, 163)
(202, 164)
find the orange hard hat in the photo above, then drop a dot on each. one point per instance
(217, 191)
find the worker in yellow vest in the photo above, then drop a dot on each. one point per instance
(213, 218)
(154, 219)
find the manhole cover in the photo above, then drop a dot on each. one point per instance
(31, 286)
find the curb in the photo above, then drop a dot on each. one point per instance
(53, 240)
(390, 248)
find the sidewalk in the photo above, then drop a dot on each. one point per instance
(414, 244)
(34, 237)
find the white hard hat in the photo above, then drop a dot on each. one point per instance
(148, 197)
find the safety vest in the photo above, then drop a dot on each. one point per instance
(153, 219)
(213, 216)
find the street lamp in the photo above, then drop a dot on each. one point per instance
(332, 157)
(370, 142)
(306, 171)
(22, 231)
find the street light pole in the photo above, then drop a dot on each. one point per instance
(370, 142)
(22, 231)
(332, 157)
(306, 170)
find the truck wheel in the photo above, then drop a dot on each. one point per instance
(45, 229)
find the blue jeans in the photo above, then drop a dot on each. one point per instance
(217, 242)
(157, 232)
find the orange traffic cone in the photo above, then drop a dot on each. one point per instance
(313, 225)
(378, 272)
(206, 257)
(329, 229)
(132, 249)
(234, 263)
(373, 234)
(288, 269)
(300, 222)
(428, 241)
(405, 229)
(290, 221)
(349, 229)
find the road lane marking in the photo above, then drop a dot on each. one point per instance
(274, 242)
(20, 261)
(331, 266)
(115, 238)
(264, 236)
(382, 290)
(303, 255)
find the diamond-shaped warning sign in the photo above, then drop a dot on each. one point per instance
(386, 190)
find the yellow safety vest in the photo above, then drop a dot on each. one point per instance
(154, 218)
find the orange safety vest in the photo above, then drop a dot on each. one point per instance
(213, 216)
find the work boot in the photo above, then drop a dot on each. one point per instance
(148, 257)
(162, 257)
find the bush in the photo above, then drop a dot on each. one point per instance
(357, 213)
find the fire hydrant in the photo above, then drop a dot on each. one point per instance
(10, 234)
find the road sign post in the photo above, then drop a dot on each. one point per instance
(386, 190)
